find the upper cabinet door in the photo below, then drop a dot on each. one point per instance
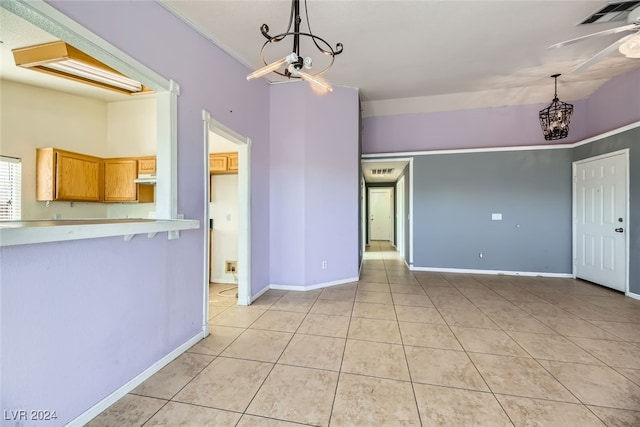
(118, 180)
(146, 165)
(78, 177)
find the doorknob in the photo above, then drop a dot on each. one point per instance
(619, 230)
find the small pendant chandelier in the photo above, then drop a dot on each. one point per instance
(556, 117)
(294, 65)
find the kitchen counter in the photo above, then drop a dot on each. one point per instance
(54, 230)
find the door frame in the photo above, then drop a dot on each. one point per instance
(244, 212)
(391, 190)
(574, 219)
(400, 246)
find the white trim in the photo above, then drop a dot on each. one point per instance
(28, 232)
(257, 295)
(312, 287)
(391, 156)
(574, 229)
(506, 273)
(99, 407)
(411, 181)
(244, 206)
(633, 295)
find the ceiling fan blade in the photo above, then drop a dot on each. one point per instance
(616, 30)
(598, 56)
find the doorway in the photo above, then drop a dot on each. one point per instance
(242, 215)
(400, 216)
(601, 215)
(381, 214)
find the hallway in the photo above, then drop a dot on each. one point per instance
(406, 348)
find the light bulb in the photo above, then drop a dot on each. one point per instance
(289, 59)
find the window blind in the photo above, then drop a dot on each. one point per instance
(10, 188)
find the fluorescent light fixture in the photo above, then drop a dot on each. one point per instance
(63, 60)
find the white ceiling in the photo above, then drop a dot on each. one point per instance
(410, 56)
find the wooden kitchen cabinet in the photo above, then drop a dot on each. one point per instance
(67, 176)
(147, 165)
(223, 163)
(118, 180)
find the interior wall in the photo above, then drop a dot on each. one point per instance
(455, 196)
(34, 117)
(104, 310)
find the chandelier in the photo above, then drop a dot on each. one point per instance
(556, 117)
(295, 65)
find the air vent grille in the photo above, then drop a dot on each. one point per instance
(380, 172)
(612, 12)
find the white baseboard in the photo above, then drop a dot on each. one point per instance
(99, 407)
(312, 287)
(252, 298)
(632, 295)
(506, 273)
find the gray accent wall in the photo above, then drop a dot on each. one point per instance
(456, 194)
(628, 139)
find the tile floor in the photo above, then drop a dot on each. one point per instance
(405, 348)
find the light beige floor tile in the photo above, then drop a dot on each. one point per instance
(312, 351)
(453, 303)
(412, 300)
(539, 413)
(617, 417)
(324, 324)
(443, 367)
(215, 310)
(334, 308)
(375, 359)
(432, 282)
(295, 304)
(428, 335)
(520, 376)
(490, 341)
(227, 384)
(182, 414)
(472, 318)
(131, 410)
(255, 421)
(374, 297)
(402, 278)
(449, 291)
(374, 330)
(632, 374)
(239, 317)
(265, 301)
(219, 338)
(374, 311)
(367, 401)
(618, 354)
(625, 331)
(397, 288)
(374, 287)
(282, 321)
(296, 394)
(172, 378)
(408, 313)
(574, 327)
(443, 406)
(553, 347)
(596, 385)
(374, 278)
(338, 294)
(520, 324)
(312, 294)
(254, 344)
(543, 309)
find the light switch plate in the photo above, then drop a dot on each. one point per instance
(496, 217)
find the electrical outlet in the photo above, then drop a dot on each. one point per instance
(324, 265)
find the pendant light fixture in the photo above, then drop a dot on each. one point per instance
(555, 118)
(294, 65)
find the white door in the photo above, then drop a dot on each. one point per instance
(400, 216)
(601, 220)
(380, 213)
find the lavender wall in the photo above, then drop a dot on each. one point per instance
(314, 185)
(614, 104)
(478, 128)
(81, 318)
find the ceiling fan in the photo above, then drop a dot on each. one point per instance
(628, 45)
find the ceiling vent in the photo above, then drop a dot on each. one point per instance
(380, 172)
(612, 12)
